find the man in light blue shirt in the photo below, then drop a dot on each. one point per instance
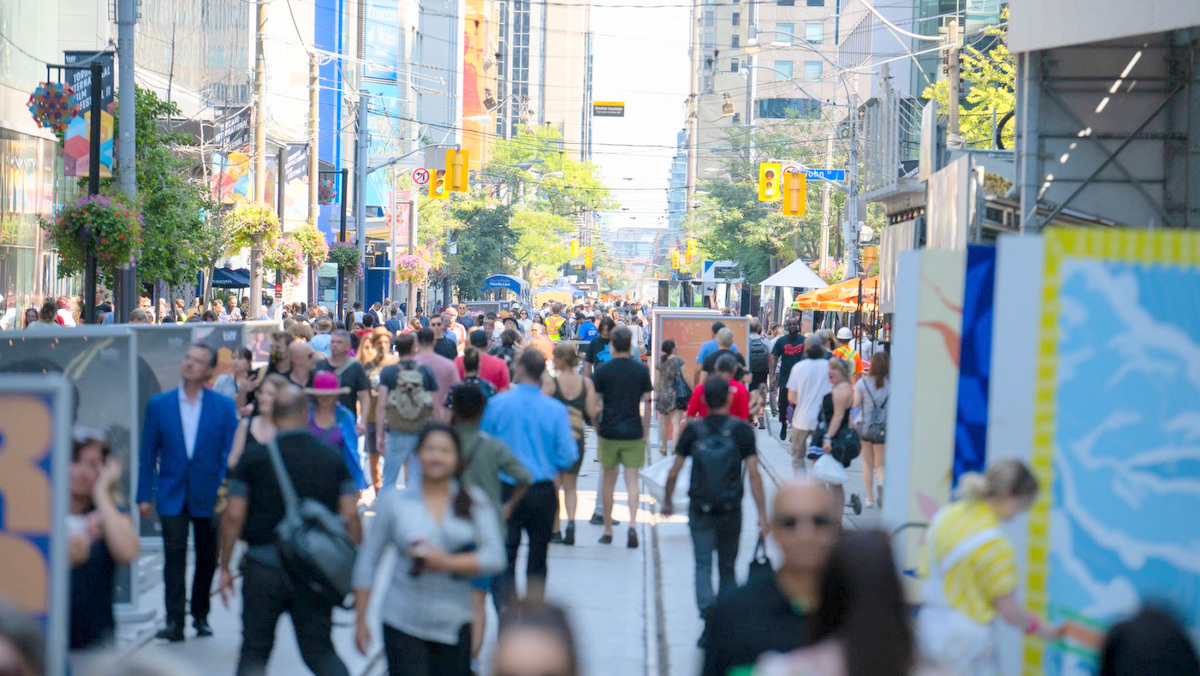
(709, 347)
(321, 341)
(537, 430)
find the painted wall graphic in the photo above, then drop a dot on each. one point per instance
(1116, 437)
(975, 361)
(233, 178)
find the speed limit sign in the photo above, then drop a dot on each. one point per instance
(420, 177)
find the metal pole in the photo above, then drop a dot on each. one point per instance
(952, 72)
(392, 286)
(414, 203)
(360, 187)
(89, 277)
(344, 175)
(313, 159)
(851, 259)
(825, 197)
(127, 302)
(260, 153)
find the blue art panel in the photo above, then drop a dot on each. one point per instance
(975, 357)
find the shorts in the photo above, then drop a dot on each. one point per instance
(578, 464)
(483, 583)
(757, 379)
(628, 452)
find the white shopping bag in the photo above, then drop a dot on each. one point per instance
(655, 479)
(828, 470)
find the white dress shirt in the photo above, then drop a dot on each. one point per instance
(189, 415)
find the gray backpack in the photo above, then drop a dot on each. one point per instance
(409, 404)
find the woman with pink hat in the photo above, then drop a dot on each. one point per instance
(333, 423)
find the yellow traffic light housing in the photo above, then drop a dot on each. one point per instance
(437, 185)
(675, 260)
(587, 257)
(574, 249)
(457, 163)
(795, 195)
(768, 182)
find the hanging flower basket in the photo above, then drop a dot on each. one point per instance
(285, 256)
(115, 228)
(412, 268)
(249, 220)
(53, 106)
(312, 244)
(326, 191)
(348, 260)
(829, 271)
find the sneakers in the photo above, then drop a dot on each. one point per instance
(598, 520)
(605, 539)
(556, 538)
(632, 542)
(783, 431)
(569, 537)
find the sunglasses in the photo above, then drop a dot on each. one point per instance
(792, 522)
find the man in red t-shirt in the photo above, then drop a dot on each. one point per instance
(492, 369)
(739, 396)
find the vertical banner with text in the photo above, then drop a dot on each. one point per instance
(76, 148)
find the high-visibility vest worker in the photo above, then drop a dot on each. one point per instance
(554, 325)
(847, 353)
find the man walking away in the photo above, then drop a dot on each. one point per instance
(771, 614)
(255, 508)
(320, 342)
(724, 347)
(788, 351)
(405, 401)
(180, 471)
(443, 370)
(492, 369)
(394, 323)
(759, 363)
(485, 458)
(624, 388)
(807, 385)
(718, 445)
(537, 429)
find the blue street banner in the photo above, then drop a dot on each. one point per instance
(35, 437)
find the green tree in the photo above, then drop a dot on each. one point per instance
(989, 81)
(482, 230)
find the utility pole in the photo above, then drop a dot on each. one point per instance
(955, 81)
(851, 260)
(260, 153)
(127, 301)
(360, 186)
(825, 196)
(752, 79)
(414, 203)
(313, 165)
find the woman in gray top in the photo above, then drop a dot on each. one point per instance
(446, 533)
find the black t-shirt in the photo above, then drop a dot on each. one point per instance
(317, 471)
(598, 352)
(352, 376)
(92, 591)
(621, 384)
(446, 347)
(743, 436)
(710, 363)
(390, 374)
(789, 351)
(749, 621)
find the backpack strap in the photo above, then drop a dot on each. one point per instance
(286, 487)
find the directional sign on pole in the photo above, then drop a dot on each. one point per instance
(420, 176)
(825, 174)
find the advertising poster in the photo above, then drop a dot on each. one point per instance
(1116, 438)
(233, 178)
(101, 366)
(76, 145)
(381, 40)
(476, 118)
(257, 337)
(692, 328)
(295, 182)
(35, 450)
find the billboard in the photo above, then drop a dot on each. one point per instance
(35, 450)
(477, 120)
(692, 328)
(381, 40)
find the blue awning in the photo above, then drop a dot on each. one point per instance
(510, 282)
(227, 278)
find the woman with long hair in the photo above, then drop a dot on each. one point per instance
(666, 395)
(470, 357)
(871, 397)
(971, 571)
(835, 410)
(258, 427)
(445, 534)
(525, 322)
(335, 424)
(99, 538)
(46, 316)
(536, 639)
(374, 355)
(31, 316)
(579, 396)
(228, 383)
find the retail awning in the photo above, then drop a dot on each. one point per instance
(228, 278)
(797, 275)
(839, 297)
(510, 282)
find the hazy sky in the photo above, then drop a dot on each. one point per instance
(641, 59)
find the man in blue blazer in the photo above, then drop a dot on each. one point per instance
(185, 449)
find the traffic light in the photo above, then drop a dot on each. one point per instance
(691, 245)
(587, 257)
(437, 185)
(675, 259)
(768, 182)
(456, 167)
(795, 186)
(574, 249)
(689, 257)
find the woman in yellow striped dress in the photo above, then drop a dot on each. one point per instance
(971, 572)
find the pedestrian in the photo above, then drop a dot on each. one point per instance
(180, 472)
(444, 341)
(444, 371)
(587, 328)
(464, 319)
(454, 328)
(739, 397)
(256, 506)
(394, 322)
(373, 356)
(470, 370)
(304, 363)
(46, 317)
(759, 365)
(847, 353)
(22, 645)
(578, 394)
(555, 323)
(65, 314)
(351, 375)
(536, 639)
(724, 347)
(670, 397)
(861, 626)
(785, 354)
(31, 317)
(720, 446)
(257, 429)
(241, 363)
(100, 537)
(445, 533)
(333, 424)
(807, 386)
(970, 571)
(834, 418)
(484, 458)
(624, 388)
(598, 351)
(537, 429)
(421, 317)
(1150, 642)
(414, 325)
(871, 398)
(771, 612)
(280, 360)
(355, 315)
(525, 322)
(510, 339)
(707, 348)
(398, 422)
(320, 341)
(491, 369)
(142, 317)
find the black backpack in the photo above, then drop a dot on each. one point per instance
(759, 356)
(716, 468)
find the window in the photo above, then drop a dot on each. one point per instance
(783, 70)
(814, 33)
(710, 18)
(736, 41)
(784, 32)
(783, 109)
(734, 66)
(812, 71)
(785, 3)
(736, 18)
(707, 41)
(816, 3)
